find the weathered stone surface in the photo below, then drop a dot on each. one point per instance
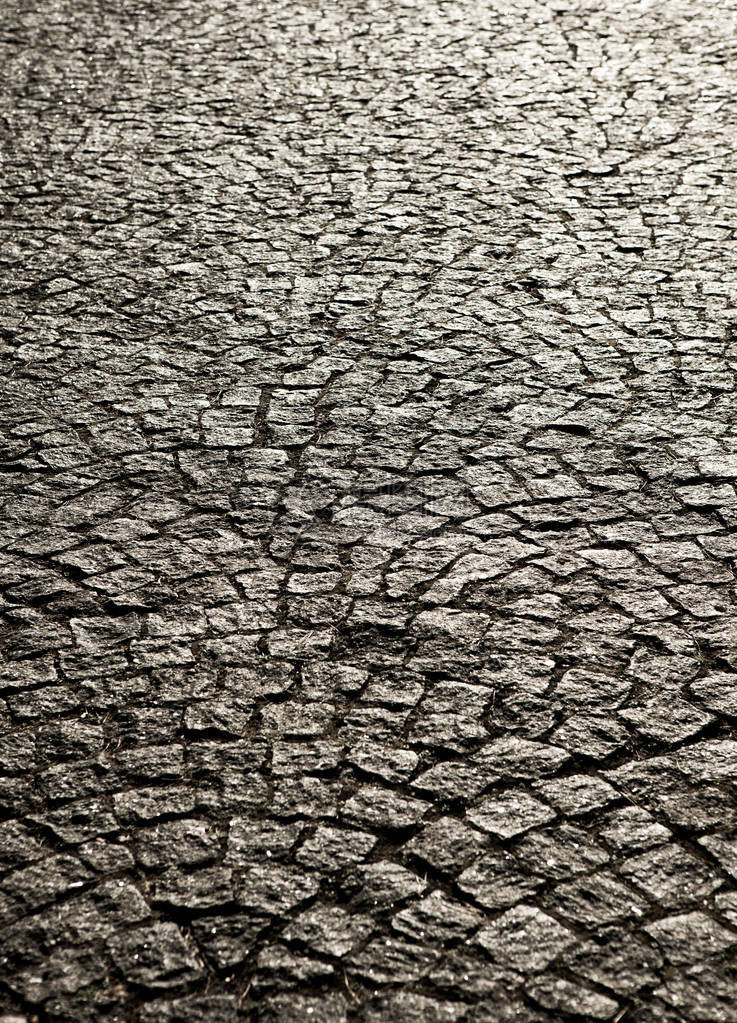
(525, 939)
(368, 625)
(155, 957)
(510, 813)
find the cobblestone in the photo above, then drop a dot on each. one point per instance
(368, 640)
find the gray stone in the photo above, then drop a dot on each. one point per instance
(367, 512)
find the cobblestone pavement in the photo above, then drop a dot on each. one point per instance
(368, 511)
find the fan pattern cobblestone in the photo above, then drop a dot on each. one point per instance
(367, 552)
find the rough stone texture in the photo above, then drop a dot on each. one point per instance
(367, 511)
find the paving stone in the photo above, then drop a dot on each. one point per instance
(468, 973)
(446, 844)
(618, 961)
(367, 512)
(702, 992)
(717, 691)
(560, 852)
(577, 793)
(727, 905)
(250, 842)
(382, 808)
(272, 889)
(509, 813)
(228, 940)
(722, 466)
(454, 779)
(671, 876)
(415, 1007)
(331, 849)
(436, 918)
(709, 761)
(394, 961)
(383, 884)
(686, 936)
(681, 798)
(563, 996)
(390, 764)
(155, 957)
(192, 1010)
(149, 804)
(596, 736)
(632, 829)
(722, 848)
(294, 1009)
(670, 722)
(596, 900)
(518, 758)
(278, 968)
(329, 930)
(175, 843)
(525, 939)
(39, 884)
(187, 890)
(497, 881)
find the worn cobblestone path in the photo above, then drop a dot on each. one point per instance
(368, 511)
